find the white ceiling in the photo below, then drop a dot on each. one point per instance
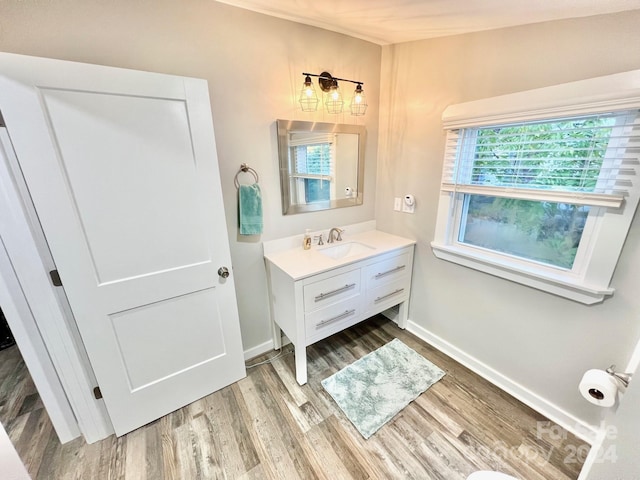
(394, 21)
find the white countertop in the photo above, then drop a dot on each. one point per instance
(299, 263)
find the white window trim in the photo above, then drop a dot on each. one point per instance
(609, 226)
(620, 91)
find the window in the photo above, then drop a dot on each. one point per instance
(544, 198)
(313, 172)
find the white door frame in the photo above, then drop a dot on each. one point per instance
(38, 315)
(25, 332)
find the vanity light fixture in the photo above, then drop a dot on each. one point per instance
(334, 102)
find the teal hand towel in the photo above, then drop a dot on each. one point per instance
(250, 209)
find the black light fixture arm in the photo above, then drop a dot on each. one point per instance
(325, 80)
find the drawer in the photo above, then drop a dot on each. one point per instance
(387, 271)
(387, 295)
(334, 318)
(331, 290)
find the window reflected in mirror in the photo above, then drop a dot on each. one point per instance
(321, 165)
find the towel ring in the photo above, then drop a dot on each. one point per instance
(244, 168)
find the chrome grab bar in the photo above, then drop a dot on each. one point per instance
(322, 296)
(399, 290)
(393, 270)
(338, 317)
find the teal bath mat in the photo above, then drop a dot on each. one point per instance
(373, 389)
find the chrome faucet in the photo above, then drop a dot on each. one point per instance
(338, 237)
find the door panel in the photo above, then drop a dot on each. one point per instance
(147, 337)
(122, 169)
(137, 181)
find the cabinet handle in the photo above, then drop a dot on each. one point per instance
(322, 296)
(393, 270)
(399, 290)
(336, 318)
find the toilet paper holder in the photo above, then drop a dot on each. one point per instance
(625, 378)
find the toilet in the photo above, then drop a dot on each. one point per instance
(486, 475)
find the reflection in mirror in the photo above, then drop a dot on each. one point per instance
(321, 165)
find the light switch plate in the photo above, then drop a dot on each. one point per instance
(397, 202)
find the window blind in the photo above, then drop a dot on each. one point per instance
(314, 161)
(297, 139)
(586, 160)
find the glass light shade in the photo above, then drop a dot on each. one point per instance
(334, 102)
(308, 97)
(358, 104)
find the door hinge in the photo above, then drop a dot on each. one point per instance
(55, 278)
(97, 393)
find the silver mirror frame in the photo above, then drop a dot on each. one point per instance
(285, 127)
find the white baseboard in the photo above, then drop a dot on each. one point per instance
(569, 422)
(263, 348)
(594, 455)
(258, 350)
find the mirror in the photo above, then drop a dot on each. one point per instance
(321, 165)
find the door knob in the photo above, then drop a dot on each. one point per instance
(223, 272)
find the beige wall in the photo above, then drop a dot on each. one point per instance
(253, 64)
(540, 341)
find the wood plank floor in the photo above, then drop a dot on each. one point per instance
(267, 427)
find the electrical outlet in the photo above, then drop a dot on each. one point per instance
(397, 204)
(408, 208)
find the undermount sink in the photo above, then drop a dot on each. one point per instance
(346, 249)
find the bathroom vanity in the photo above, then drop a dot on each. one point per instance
(318, 292)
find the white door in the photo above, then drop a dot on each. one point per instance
(122, 169)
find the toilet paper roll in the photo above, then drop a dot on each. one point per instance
(599, 388)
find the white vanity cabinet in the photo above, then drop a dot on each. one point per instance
(336, 294)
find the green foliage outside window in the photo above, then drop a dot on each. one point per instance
(564, 155)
